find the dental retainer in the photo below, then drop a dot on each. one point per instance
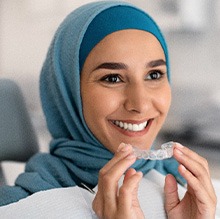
(165, 152)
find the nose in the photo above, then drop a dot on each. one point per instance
(137, 98)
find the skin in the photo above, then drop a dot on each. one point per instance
(135, 89)
(200, 199)
(134, 97)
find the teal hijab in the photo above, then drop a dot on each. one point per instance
(76, 156)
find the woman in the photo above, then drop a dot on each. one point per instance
(105, 85)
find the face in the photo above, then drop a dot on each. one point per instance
(125, 90)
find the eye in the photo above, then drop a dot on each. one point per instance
(155, 75)
(111, 78)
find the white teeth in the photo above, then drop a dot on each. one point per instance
(125, 125)
(135, 127)
(131, 127)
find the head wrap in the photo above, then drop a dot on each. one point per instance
(118, 18)
(76, 156)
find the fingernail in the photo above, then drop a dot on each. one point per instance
(120, 146)
(140, 173)
(182, 167)
(178, 151)
(178, 145)
(123, 147)
(131, 156)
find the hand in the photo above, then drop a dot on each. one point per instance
(112, 201)
(200, 200)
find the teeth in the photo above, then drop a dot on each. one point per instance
(131, 127)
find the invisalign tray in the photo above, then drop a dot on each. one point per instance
(165, 152)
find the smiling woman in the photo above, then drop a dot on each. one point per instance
(130, 89)
(104, 87)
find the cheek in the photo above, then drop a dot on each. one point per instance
(100, 106)
(165, 100)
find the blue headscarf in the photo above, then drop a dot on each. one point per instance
(76, 156)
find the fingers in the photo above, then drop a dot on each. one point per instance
(106, 200)
(189, 154)
(111, 173)
(193, 163)
(195, 170)
(123, 151)
(129, 191)
(171, 193)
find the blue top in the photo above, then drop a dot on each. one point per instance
(76, 156)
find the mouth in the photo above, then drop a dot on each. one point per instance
(132, 127)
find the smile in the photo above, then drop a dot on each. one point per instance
(130, 126)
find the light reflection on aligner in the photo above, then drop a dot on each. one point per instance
(165, 152)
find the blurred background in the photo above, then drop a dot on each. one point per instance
(192, 30)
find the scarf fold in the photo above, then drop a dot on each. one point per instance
(76, 156)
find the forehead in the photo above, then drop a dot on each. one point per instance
(133, 41)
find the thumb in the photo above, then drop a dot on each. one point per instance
(171, 193)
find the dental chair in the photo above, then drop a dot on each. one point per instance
(18, 141)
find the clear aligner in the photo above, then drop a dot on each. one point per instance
(165, 152)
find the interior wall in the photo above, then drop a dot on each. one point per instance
(27, 27)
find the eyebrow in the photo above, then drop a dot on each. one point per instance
(111, 65)
(156, 63)
(121, 66)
